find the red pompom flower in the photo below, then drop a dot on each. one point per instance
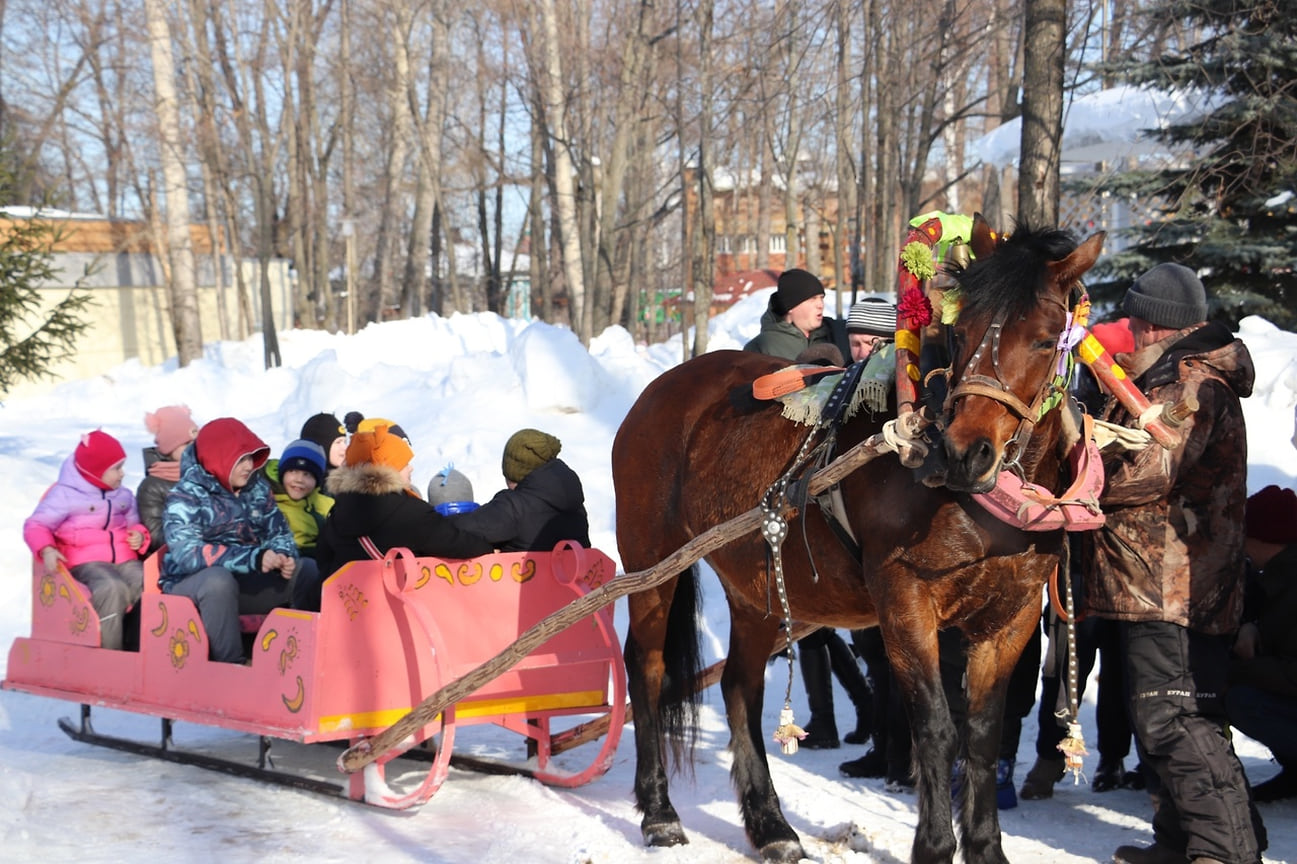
(916, 308)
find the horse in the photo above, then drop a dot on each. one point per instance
(697, 449)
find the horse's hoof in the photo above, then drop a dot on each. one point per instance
(783, 852)
(664, 834)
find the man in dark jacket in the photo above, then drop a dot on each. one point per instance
(373, 499)
(543, 504)
(794, 319)
(1168, 565)
(1262, 699)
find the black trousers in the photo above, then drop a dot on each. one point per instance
(1202, 805)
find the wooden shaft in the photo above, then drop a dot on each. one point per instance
(364, 752)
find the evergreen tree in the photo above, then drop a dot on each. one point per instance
(32, 338)
(1231, 212)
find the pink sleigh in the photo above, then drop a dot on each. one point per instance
(389, 632)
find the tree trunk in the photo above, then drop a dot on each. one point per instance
(569, 240)
(180, 252)
(1044, 32)
(704, 241)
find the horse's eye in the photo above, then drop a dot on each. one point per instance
(1045, 345)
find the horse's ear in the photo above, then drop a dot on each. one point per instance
(1074, 266)
(983, 240)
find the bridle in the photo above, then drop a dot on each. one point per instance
(1048, 394)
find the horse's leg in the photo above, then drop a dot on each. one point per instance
(990, 664)
(910, 636)
(647, 664)
(752, 635)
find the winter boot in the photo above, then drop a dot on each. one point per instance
(1041, 779)
(847, 669)
(822, 729)
(872, 764)
(1108, 776)
(1155, 854)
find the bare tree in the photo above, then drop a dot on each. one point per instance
(1044, 32)
(565, 207)
(182, 290)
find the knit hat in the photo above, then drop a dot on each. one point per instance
(303, 455)
(323, 429)
(171, 425)
(1272, 515)
(97, 452)
(449, 485)
(527, 450)
(1170, 295)
(357, 422)
(379, 446)
(872, 316)
(795, 288)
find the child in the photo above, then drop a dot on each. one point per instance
(89, 522)
(328, 432)
(373, 499)
(173, 429)
(296, 478)
(451, 492)
(230, 549)
(543, 504)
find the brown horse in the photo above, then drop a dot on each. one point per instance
(696, 449)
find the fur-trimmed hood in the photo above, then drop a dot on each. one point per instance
(366, 479)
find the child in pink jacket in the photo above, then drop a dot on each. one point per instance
(90, 522)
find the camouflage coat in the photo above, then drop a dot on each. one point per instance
(1172, 547)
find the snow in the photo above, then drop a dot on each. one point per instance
(460, 387)
(1105, 126)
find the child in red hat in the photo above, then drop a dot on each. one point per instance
(88, 522)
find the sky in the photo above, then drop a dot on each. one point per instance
(460, 387)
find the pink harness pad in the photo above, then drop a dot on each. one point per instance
(1033, 508)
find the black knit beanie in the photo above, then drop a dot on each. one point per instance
(1170, 295)
(323, 429)
(795, 288)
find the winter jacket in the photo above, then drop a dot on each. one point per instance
(546, 507)
(305, 517)
(151, 497)
(779, 338)
(84, 522)
(1273, 595)
(373, 501)
(206, 524)
(1172, 546)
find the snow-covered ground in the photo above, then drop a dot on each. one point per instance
(460, 387)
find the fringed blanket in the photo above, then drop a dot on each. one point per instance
(875, 383)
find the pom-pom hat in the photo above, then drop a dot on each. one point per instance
(379, 446)
(303, 455)
(95, 454)
(171, 425)
(1272, 516)
(1170, 295)
(796, 286)
(527, 450)
(872, 316)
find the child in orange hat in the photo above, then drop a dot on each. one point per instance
(374, 501)
(89, 522)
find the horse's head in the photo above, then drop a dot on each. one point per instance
(1017, 295)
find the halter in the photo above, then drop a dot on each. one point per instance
(1048, 394)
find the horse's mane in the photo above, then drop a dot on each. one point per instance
(1012, 278)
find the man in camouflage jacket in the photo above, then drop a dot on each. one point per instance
(1169, 566)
